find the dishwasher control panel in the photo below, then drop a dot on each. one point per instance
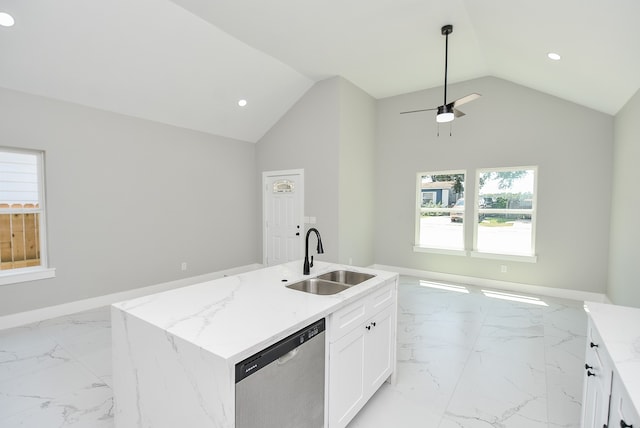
(268, 355)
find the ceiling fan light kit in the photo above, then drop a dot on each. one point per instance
(445, 114)
(447, 111)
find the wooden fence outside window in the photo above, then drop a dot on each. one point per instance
(19, 236)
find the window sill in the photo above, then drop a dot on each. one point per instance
(26, 274)
(508, 257)
(448, 252)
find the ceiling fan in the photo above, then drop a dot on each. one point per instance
(447, 111)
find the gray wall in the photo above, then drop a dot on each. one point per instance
(624, 270)
(329, 133)
(357, 175)
(509, 126)
(129, 200)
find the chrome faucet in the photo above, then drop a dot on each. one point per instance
(307, 266)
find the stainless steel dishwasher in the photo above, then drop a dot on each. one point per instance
(282, 386)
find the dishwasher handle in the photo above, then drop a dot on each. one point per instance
(288, 356)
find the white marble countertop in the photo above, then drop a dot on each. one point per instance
(236, 316)
(619, 328)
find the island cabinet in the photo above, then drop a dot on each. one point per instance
(611, 392)
(362, 352)
(175, 352)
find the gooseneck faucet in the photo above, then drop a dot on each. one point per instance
(307, 266)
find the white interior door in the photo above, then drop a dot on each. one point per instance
(283, 216)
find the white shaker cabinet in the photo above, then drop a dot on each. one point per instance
(597, 382)
(361, 352)
(622, 412)
(611, 393)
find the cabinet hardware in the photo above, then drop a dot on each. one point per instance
(587, 367)
(593, 345)
(590, 374)
(371, 324)
(623, 424)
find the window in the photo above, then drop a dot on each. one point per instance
(506, 211)
(439, 211)
(22, 216)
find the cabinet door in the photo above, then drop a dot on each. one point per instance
(623, 413)
(346, 377)
(379, 350)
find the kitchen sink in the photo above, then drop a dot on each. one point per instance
(318, 286)
(330, 282)
(346, 277)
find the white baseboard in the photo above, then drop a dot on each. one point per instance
(22, 318)
(563, 293)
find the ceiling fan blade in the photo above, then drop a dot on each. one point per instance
(417, 111)
(458, 113)
(466, 99)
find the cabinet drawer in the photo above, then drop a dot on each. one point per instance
(382, 297)
(346, 319)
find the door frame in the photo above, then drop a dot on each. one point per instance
(265, 190)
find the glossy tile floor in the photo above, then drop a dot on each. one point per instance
(465, 360)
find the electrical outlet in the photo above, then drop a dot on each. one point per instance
(503, 268)
(183, 266)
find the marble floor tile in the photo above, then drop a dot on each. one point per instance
(464, 360)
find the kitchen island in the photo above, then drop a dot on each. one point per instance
(174, 353)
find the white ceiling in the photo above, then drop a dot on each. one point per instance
(188, 62)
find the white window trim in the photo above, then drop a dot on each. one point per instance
(435, 250)
(529, 258)
(507, 257)
(14, 276)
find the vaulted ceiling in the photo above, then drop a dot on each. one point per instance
(188, 62)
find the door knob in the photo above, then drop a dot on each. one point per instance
(587, 367)
(623, 424)
(593, 345)
(590, 374)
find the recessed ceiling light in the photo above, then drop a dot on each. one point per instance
(6, 20)
(554, 56)
(242, 103)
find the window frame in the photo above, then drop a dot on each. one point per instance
(514, 256)
(418, 215)
(43, 271)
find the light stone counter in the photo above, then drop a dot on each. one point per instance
(619, 329)
(174, 352)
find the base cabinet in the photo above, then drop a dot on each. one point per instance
(622, 413)
(360, 359)
(606, 403)
(597, 382)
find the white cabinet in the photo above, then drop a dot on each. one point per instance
(597, 382)
(605, 403)
(622, 412)
(361, 352)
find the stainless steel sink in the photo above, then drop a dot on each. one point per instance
(318, 286)
(346, 277)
